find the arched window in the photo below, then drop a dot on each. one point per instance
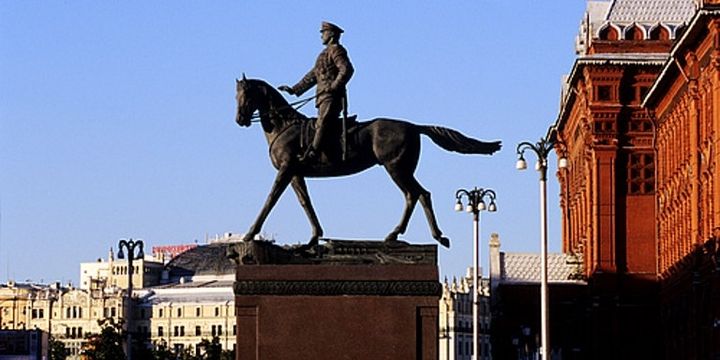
(634, 33)
(608, 33)
(659, 33)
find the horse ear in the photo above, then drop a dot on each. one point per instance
(244, 78)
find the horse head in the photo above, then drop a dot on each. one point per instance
(246, 103)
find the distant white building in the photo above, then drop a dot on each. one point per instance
(178, 303)
(456, 319)
(196, 303)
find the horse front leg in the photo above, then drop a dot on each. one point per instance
(298, 184)
(410, 201)
(282, 179)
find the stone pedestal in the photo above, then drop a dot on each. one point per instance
(346, 300)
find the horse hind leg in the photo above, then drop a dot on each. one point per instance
(298, 184)
(413, 192)
(426, 203)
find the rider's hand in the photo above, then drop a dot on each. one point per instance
(286, 89)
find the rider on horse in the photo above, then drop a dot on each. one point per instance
(331, 73)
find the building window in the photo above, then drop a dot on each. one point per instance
(219, 330)
(160, 331)
(113, 312)
(634, 33)
(603, 93)
(182, 330)
(160, 312)
(217, 311)
(198, 331)
(197, 312)
(608, 33)
(641, 174)
(659, 33)
(213, 330)
(640, 126)
(234, 329)
(179, 312)
(177, 331)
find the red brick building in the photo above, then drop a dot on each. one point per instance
(684, 103)
(639, 123)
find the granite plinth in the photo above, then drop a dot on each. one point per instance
(343, 300)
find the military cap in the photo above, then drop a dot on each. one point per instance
(331, 27)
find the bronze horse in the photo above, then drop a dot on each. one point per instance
(394, 144)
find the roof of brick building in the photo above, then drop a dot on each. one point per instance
(652, 11)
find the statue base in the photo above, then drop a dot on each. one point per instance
(344, 300)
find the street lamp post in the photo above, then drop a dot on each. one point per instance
(475, 204)
(130, 246)
(542, 149)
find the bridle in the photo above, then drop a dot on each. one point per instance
(297, 105)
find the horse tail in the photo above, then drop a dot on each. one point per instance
(453, 140)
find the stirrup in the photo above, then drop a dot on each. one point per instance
(308, 155)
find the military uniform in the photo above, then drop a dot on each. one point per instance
(331, 73)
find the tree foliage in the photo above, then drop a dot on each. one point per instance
(108, 345)
(57, 350)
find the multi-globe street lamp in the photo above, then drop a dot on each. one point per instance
(130, 245)
(542, 149)
(475, 204)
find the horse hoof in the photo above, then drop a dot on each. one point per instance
(313, 241)
(444, 241)
(248, 238)
(392, 237)
(231, 253)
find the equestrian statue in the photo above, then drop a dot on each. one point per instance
(302, 147)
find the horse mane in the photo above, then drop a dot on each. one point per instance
(277, 100)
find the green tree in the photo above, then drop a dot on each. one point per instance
(212, 350)
(161, 352)
(108, 344)
(227, 355)
(57, 350)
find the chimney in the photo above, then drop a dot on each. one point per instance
(495, 267)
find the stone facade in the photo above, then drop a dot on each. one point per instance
(179, 303)
(456, 319)
(182, 314)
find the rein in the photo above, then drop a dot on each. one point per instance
(297, 105)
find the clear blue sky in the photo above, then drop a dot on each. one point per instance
(117, 120)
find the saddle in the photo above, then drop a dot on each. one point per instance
(307, 131)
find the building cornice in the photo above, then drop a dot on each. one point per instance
(338, 288)
(611, 59)
(670, 64)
